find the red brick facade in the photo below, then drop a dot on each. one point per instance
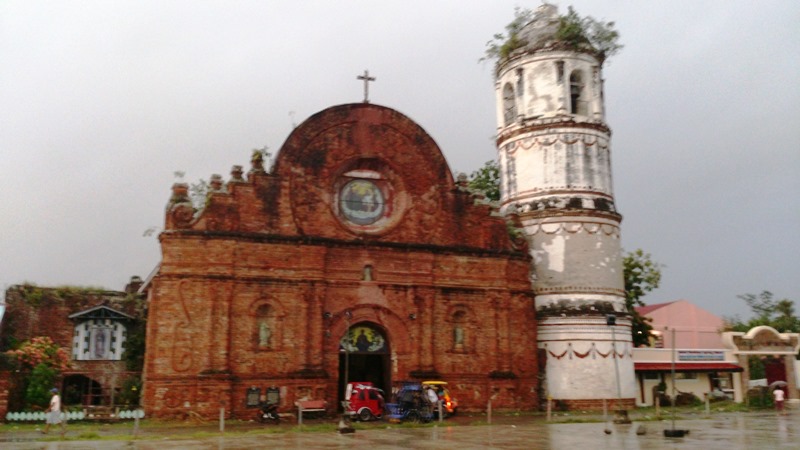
(359, 223)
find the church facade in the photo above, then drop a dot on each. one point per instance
(357, 257)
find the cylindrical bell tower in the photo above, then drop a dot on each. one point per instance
(555, 163)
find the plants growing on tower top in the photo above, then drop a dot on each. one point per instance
(502, 45)
(544, 29)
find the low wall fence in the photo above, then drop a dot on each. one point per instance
(41, 416)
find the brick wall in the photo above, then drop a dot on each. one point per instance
(34, 311)
(5, 378)
(41, 311)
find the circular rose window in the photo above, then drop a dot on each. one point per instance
(362, 202)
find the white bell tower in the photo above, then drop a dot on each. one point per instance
(555, 163)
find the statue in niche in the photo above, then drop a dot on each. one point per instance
(367, 273)
(458, 337)
(264, 334)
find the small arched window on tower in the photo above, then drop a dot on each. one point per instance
(578, 103)
(509, 105)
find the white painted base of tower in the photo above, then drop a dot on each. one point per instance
(584, 362)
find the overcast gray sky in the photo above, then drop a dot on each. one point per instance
(102, 101)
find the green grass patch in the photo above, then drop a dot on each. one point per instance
(88, 435)
(318, 427)
(578, 420)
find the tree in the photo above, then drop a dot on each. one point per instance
(42, 379)
(785, 319)
(778, 314)
(40, 362)
(486, 180)
(642, 275)
(134, 346)
(130, 393)
(767, 311)
(40, 350)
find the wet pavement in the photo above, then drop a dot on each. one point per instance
(762, 430)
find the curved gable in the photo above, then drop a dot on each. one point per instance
(367, 171)
(351, 172)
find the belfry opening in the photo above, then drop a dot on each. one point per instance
(364, 357)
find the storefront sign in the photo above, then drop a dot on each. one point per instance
(700, 355)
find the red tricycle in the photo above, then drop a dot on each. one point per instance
(365, 401)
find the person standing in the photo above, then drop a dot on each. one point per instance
(54, 413)
(433, 399)
(779, 398)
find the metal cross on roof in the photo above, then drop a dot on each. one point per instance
(366, 79)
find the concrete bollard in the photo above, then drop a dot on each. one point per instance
(489, 412)
(222, 420)
(658, 405)
(549, 408)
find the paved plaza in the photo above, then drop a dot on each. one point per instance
(763, 430)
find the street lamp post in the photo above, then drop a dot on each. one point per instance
(344, 423)
(347, 354)
(673, 432)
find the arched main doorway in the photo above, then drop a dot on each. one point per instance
(364, 356)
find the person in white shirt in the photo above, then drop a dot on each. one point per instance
(779, 397)
(54, 413)
(432, 397)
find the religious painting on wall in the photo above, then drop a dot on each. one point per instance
(362, 202)
(100, 343)
(363, 339)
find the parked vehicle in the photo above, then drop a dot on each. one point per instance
(449, 403)
(410, 405)
(268, 413)
(366, 401)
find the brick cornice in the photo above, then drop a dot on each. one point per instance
(330, 242)
(306, 280)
